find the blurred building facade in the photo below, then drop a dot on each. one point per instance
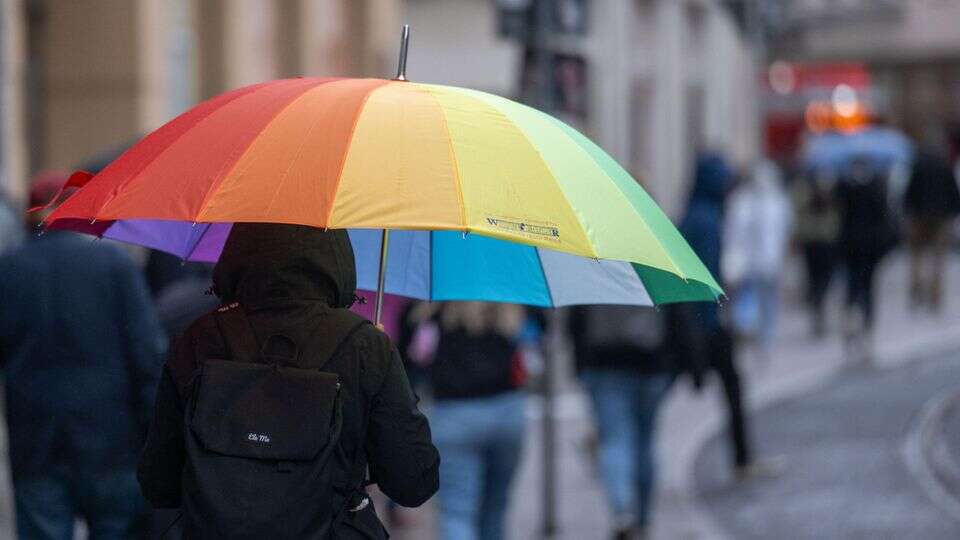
(82, 78)
(652, 81)
(909, 49)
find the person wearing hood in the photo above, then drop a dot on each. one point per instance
(293, 281)
(699, 339)
(869, 230)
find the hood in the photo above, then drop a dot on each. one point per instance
(711, 179)
(270, 261)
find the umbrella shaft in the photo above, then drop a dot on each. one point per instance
(384, 241)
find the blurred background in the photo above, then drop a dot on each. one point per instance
(835, 123)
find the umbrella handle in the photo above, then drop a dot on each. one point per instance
(378, 307)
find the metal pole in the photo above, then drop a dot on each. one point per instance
(384, 240)
(550, 429)
(543, 99)
(404, 45)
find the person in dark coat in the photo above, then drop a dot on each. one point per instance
(287, 277)
(931, 202)
(621, 361)
(817, 232)
(700, 341)
(868, 231)
(81, 349)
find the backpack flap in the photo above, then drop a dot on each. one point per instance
(264, 411)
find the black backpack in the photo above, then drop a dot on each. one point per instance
(263, 453)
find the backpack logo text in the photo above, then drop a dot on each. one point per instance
(258, 438)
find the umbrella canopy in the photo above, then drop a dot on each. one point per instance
(374, 154)
(884, 147)
(444, 265)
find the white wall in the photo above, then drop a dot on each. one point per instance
(455, 42)
(926, 29)
(668, 123)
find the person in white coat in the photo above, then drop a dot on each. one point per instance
(757, 229)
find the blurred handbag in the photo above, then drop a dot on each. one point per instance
(745, 312)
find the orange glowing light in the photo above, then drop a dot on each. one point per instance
(817, 116)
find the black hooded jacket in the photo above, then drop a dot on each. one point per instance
(288, 278)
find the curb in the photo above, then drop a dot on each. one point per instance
(891, 356)
(928, 457)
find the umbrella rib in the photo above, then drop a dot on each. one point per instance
(346, 151)
(536, 151)
(117, 189)
(546, 281)
(286, 173)
(227, 168)
(193, 248)
(453, 159)
(642, 219)
(430, 267)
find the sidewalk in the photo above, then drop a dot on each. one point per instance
(686, 422)
(798, 365)
(850, 459)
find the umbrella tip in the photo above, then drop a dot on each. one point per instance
(402, 62)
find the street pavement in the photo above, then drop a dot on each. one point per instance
(797, 366)
(845, 471)
(688, 423)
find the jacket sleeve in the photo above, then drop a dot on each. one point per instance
(163, 456)
(402, 458)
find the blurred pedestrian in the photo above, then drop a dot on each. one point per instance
(184, 299)
(930, 204)
(416, 347)
(817, 232)
(700, 341)
(619, 353)
(756, 234)
(81, 349)
(868, 232)
(331, 403)
(478, 415)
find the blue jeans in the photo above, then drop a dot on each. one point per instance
(625, 404)
(480, 441)
(755, 307)
(109, 502)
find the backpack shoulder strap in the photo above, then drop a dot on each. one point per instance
(342, 325)
(237, 333)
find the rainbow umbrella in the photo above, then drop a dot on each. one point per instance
(390, 155)
(492, 200)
